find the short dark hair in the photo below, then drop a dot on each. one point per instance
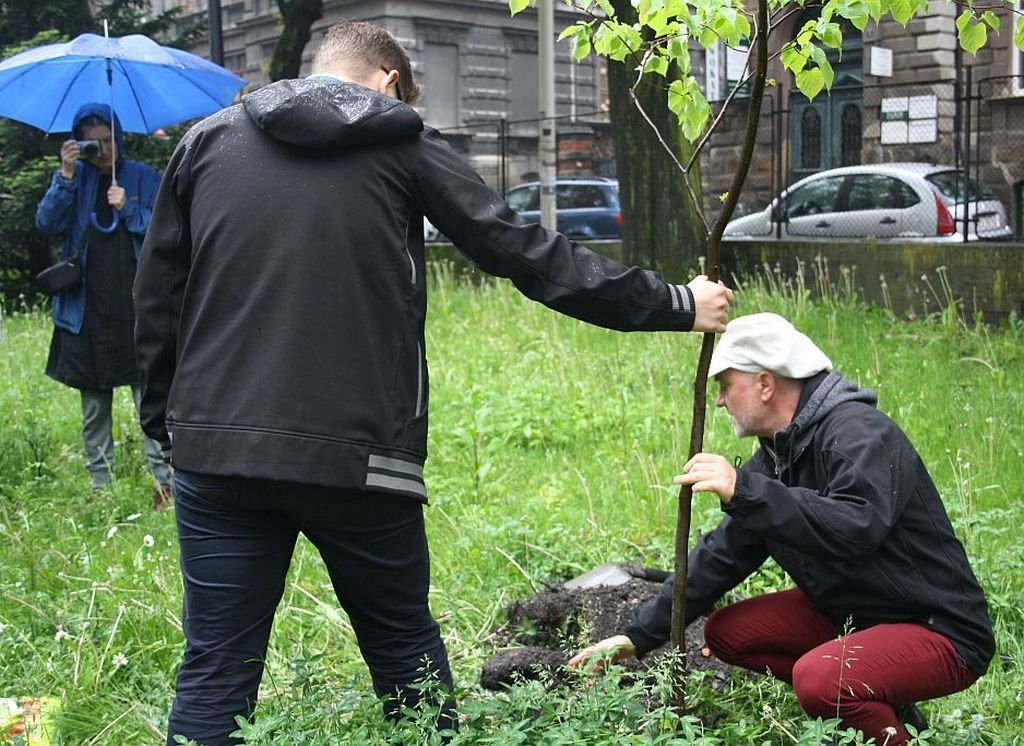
(364, 48)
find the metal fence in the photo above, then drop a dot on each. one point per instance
(505, 153)
(973, 128)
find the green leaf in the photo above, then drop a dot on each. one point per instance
(743, 27)
(659, 22)
(692, 110)
(818, 56)
(1018, 34)
(517, 6)
(832, 36)
(805, 34)
(902, 10)
(991, 19)
(964, 20)
(707, 38)
(971, 33)
(581, 47)
(793, 59)
(607, 40)
(810, 82)
(630, 37)
(656, 64)
(827, 73)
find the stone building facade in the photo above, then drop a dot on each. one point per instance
(477, 67)
(900, 94)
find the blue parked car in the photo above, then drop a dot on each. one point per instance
(586, 207)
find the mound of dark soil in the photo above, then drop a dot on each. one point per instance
(542, 632)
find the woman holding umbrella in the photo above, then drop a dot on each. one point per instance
(104, 220)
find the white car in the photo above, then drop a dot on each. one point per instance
(895, 201)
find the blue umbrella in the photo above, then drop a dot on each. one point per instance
(149, 86)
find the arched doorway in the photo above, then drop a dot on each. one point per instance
(828, 131)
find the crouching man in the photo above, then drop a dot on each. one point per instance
(885, 611)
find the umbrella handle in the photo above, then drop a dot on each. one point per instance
(106, 229)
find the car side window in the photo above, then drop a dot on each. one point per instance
(571, 196)
(813, 198)
(878, 192)
(523, 199)
(908, 197)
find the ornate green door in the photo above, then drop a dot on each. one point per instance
(827, 132)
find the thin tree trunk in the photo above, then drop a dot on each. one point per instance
(700, 382)
(299, 17)
(661, 227)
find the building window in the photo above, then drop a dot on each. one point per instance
(810, 139)
(852, 131)
(523, 74)
(724, 68)
(441, 84)
(736, 66)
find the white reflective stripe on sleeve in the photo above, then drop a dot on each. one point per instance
(684, 297)
(673, 292)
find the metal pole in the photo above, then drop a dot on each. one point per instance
(967, 146)
(503, 154)
(216, 38)
(546, 67)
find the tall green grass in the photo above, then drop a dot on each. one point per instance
(552, 449)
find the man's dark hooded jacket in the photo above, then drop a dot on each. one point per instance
(281, 294)
(841, 500)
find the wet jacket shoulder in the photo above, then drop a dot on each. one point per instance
(295, 221)
(843, 503)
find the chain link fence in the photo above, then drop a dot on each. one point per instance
(954, 152)
(505, 152)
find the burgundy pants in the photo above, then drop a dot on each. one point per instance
(861, 677)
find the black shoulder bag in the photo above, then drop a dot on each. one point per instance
(65, 274)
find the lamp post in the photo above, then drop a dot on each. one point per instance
(546, 67)
(216, 39)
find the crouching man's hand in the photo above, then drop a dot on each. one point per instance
(613, 649)
(707, 472)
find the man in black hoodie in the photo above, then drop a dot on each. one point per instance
(281, 299)
(886, 610)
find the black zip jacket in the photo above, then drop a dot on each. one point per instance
(281, 295)
(843, 503)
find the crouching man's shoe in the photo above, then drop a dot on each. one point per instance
(910, 715)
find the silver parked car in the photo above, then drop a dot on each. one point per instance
(896, 201)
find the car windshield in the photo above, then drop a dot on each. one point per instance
(813, 198)
(523, 199)
(954, 186)
(572, 196)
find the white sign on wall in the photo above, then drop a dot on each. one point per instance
(713, 72)
(881, 61)
(907, 119)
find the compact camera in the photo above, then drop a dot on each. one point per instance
(89, 148)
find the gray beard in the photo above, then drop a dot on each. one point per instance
(739, 429)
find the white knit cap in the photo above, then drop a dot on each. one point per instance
(766, 341)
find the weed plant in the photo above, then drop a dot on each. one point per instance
(552, 449)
